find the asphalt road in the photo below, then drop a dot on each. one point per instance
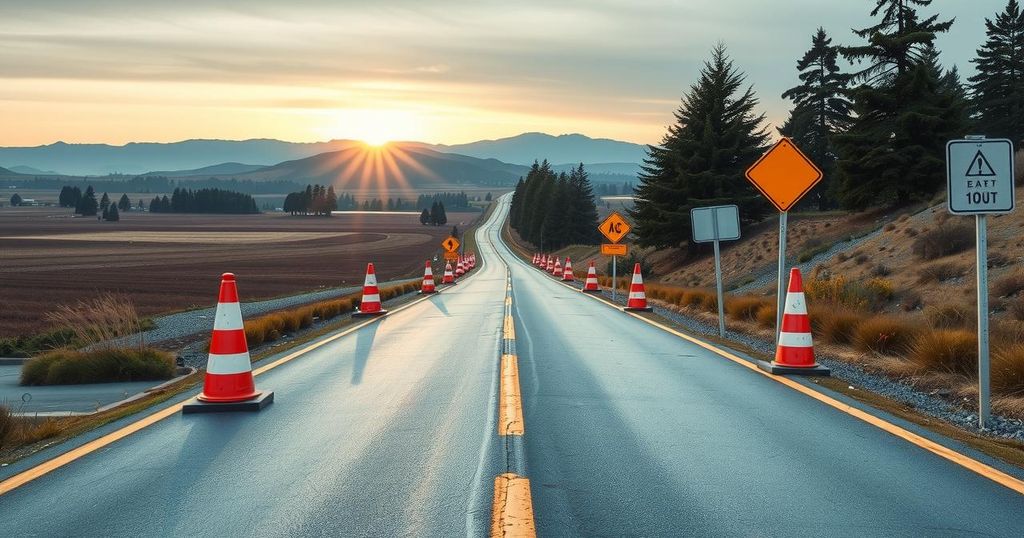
(629, 431)
(62, 398)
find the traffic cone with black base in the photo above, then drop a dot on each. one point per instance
(558, 269)
(228, 385)
(428, 280)
(460, 268)
(637, 301)
(591, 285)
(567, 274)
(370, 305)
(795, 351)
(449, 276)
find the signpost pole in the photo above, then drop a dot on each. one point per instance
(718, 276)
(615, 282)
(781, 293)
(983, 358)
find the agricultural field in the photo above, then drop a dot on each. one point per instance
(169, 262)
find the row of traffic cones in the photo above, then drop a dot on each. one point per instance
(228, 384)
(795, 348)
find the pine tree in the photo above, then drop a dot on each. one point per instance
(893, 153)
(124, 204)
(104, 202)
(515, 209)
(820, 110)
(425, 217)
(331, 203)
(15, 200)
(702, 159)
(997, 90)
(112, 214)
(88, 206)
(582, 210)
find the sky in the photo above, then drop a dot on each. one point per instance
(440, 71)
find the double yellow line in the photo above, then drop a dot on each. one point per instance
(512, 509)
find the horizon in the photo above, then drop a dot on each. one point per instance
(119, 72)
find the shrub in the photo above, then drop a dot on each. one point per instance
(998, 259)
(834, 325)
(1008, 369)
(100, 320)
(881, 270)
(839, 291)
(879, 290)
(1009, 285)
(939, 272)
(886, 335)
(889, 227)
(766, 315)
(68, 367)
(943, 240)
(743, 308)
(911, 300)
(811, 249)
(950, 316)
(1017, 309)
(953, 351)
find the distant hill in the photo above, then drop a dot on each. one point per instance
(32, 171)
(6, 172)
(213, 170)
(395, 165)
(568, 148)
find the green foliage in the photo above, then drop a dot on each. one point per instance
(702, 158)
(111, 214)
(204, 201)
(69, 367)
(555, 210)
(87, 205)
(998, 87)
(15, 200)
(124, 204)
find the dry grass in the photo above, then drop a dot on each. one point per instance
(954, 351)
(70, 367)
(21, 431)
(1008, 369)
(744, 308)
(834, 325)
(943, 240)
(940, 272)
(886, 335)
(98, 322)
(766, 315)
(837, 290)
(950, 316)
(1008, 285)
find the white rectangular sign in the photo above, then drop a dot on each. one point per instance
(721, 222)
(979, 175)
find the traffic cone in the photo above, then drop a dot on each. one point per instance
(558, 269)
(567, 274)
(428, 280)
(370, 305)
(591, 285)
(228, 385)
(551, 264)
(448, 277)
(535, 255)
(795, 351)
(637, 296)
(460, 268)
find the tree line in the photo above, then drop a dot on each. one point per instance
(877, 126)
(85, 203)
(553, 210)
(435, 216)
(151, 184)
(315, 200)
(204, 201)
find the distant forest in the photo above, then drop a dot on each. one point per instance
(317, 200)
(204, 201)
(148, 184)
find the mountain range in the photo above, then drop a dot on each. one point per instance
(226, 157)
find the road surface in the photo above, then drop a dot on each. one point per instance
(629, 430)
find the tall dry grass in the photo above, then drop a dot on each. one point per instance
(18, 431)
(100, 321)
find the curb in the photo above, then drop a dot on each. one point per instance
(109, 406)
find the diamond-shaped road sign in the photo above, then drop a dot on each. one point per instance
(450, 245)
(784, 175)
(614, 227)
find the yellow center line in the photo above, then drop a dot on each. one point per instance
(61, 460)
(938, 449)
(509, 329)
(510, 410)
(512, 511)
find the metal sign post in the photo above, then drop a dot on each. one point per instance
(615, 282)
(614, 228)
(780, 295)
(979, 179)
(713, 225)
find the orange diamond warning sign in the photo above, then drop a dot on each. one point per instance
(784, 175)
(614, 227)
(450, 245)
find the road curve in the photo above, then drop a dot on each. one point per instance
(389, 431)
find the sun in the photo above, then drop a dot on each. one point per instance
(375, 127)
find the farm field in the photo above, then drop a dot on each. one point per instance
(172, 262)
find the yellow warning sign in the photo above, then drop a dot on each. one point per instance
(784, 175)
(451, 256)
(614, 250)
(614, 227)
(450, 245)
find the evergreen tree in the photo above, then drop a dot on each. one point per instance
(702, 159)
(442, 218)
(87, 206)
(15, 200)
(820, 110)
(104, 202)
(515, 208)
(488, 198)
(112, 214)
(64, 198)
(425, 217)
(331, 202)
(154, 205)
(582, 211)
(455, 231)
(124, 204)
(997, 90)
(894, 151)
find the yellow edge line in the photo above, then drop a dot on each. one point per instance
(512, 511)
(61, 460)
(510, 410)
(942, 451)
(509, 328)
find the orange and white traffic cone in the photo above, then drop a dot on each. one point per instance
(543, 262)
(550, 265)
(637, 301)
(428, 280)
(795, 351)
(460, 268)
(591, 285)
(449, 276)
(534, 262)
(370, 305)
(567, 274)
(558, 269)
(228, 384)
